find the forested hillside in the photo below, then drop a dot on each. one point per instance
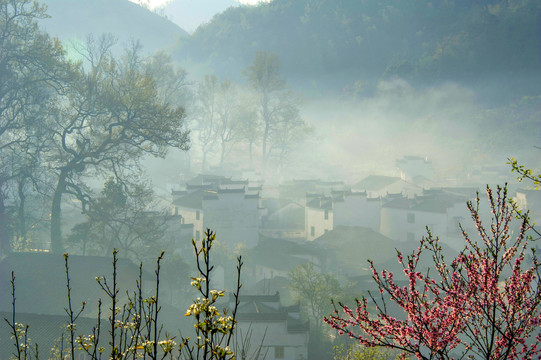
(342, 41)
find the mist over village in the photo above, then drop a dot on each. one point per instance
(281, 179)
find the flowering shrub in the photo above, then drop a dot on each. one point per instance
(483, 304)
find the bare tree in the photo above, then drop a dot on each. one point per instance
(277, 105)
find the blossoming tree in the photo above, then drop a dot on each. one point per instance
(483, 304)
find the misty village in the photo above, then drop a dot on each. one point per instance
(270, 179)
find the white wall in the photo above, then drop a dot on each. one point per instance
(357, 210)
(274, 334)
(189, 216)
(395, 224)
(234, 218)
(315, 222)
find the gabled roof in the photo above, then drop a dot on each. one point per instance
(397, 202)
(43, 330)
(40, 280)
(433, 200)
(351, 246)
(323, 202)
(281, 254)
(205, 179)
(268, 308)
(376, 182)
(191, 200)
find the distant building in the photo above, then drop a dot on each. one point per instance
(277, 329)
(318, 215)
(352, 208)
(530, 200)
(405, 219)
(274, 257)
(294, 190)
(342, 208)
(228, 207)
(411, 167)
(381, 186)
(283, 219)
(233, 215)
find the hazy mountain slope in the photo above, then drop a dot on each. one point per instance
(76, 19)
(189, 14)
(345, 40)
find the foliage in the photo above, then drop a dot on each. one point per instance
(313, 290)
(62, 122)
(213, 329)
(219, 112)
(113, 115)
(357, 352)
(134, 326)
(277, 107)
(525, 173)
(120, 218)
(31, 67)
(437, 40)
(485, 303)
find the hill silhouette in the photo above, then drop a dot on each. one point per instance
(74, 20)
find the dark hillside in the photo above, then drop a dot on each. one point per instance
(340, 41)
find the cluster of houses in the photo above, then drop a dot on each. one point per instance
(397, 207)
(300, 221)
(278, 227)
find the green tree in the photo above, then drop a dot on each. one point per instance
(359, 352)
(112, 115)
(314, 291)
(121, 219)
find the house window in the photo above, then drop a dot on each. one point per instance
(411, 236)
(411, 218)
(326, 214)
(197, 235)
(312, 231)
(197, 215)
(278, 352)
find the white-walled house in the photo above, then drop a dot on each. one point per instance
(411, 167)
(189, 206)
(381, 186)
(352, 208)
(233, 213)
(404, 219)
(442, 210)
(276, 328)
(342, 208)
(318, 216)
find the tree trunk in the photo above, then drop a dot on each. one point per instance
(222, 156)
(251, 157)
(5, 247)
(267, 120)
(22, 219)
(204, 161)
(57, 246)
